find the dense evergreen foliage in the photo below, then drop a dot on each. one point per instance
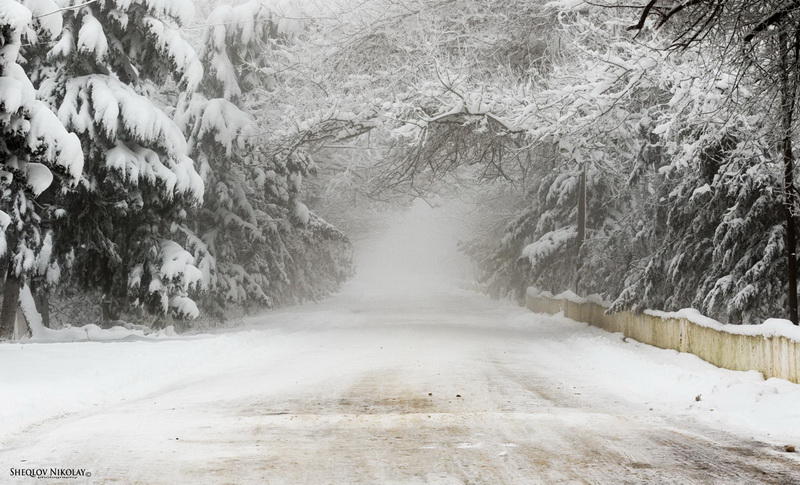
(155, 161)
(259, 244)
(120, 201)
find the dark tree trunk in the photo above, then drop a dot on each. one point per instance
(107, 314)
(788, 94)
(42, 305)
(8, 314)
(110, 310)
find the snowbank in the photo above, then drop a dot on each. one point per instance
(95, 333)
(85, 333)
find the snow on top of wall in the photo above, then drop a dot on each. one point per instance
(772, 327)
(573, 297)
(568, 295)
(536, 292)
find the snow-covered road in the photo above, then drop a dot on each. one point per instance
(393, 382)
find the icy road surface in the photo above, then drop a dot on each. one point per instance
(403, 378)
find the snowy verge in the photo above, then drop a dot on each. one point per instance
(665, 382)
(95, 333)
(85, 333)
(773, 327)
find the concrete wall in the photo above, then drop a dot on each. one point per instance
(773, 356)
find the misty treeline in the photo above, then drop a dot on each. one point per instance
(169, 159)
(642, 152)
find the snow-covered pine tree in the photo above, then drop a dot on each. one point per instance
(589, 161)
(260, 245)
(103, 70)
(722, 247)
(720, 244)
(756, 44)
(684, 205)
(36, 153)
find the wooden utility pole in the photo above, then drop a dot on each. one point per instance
(581, 225)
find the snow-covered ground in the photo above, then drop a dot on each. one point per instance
(404, 377)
